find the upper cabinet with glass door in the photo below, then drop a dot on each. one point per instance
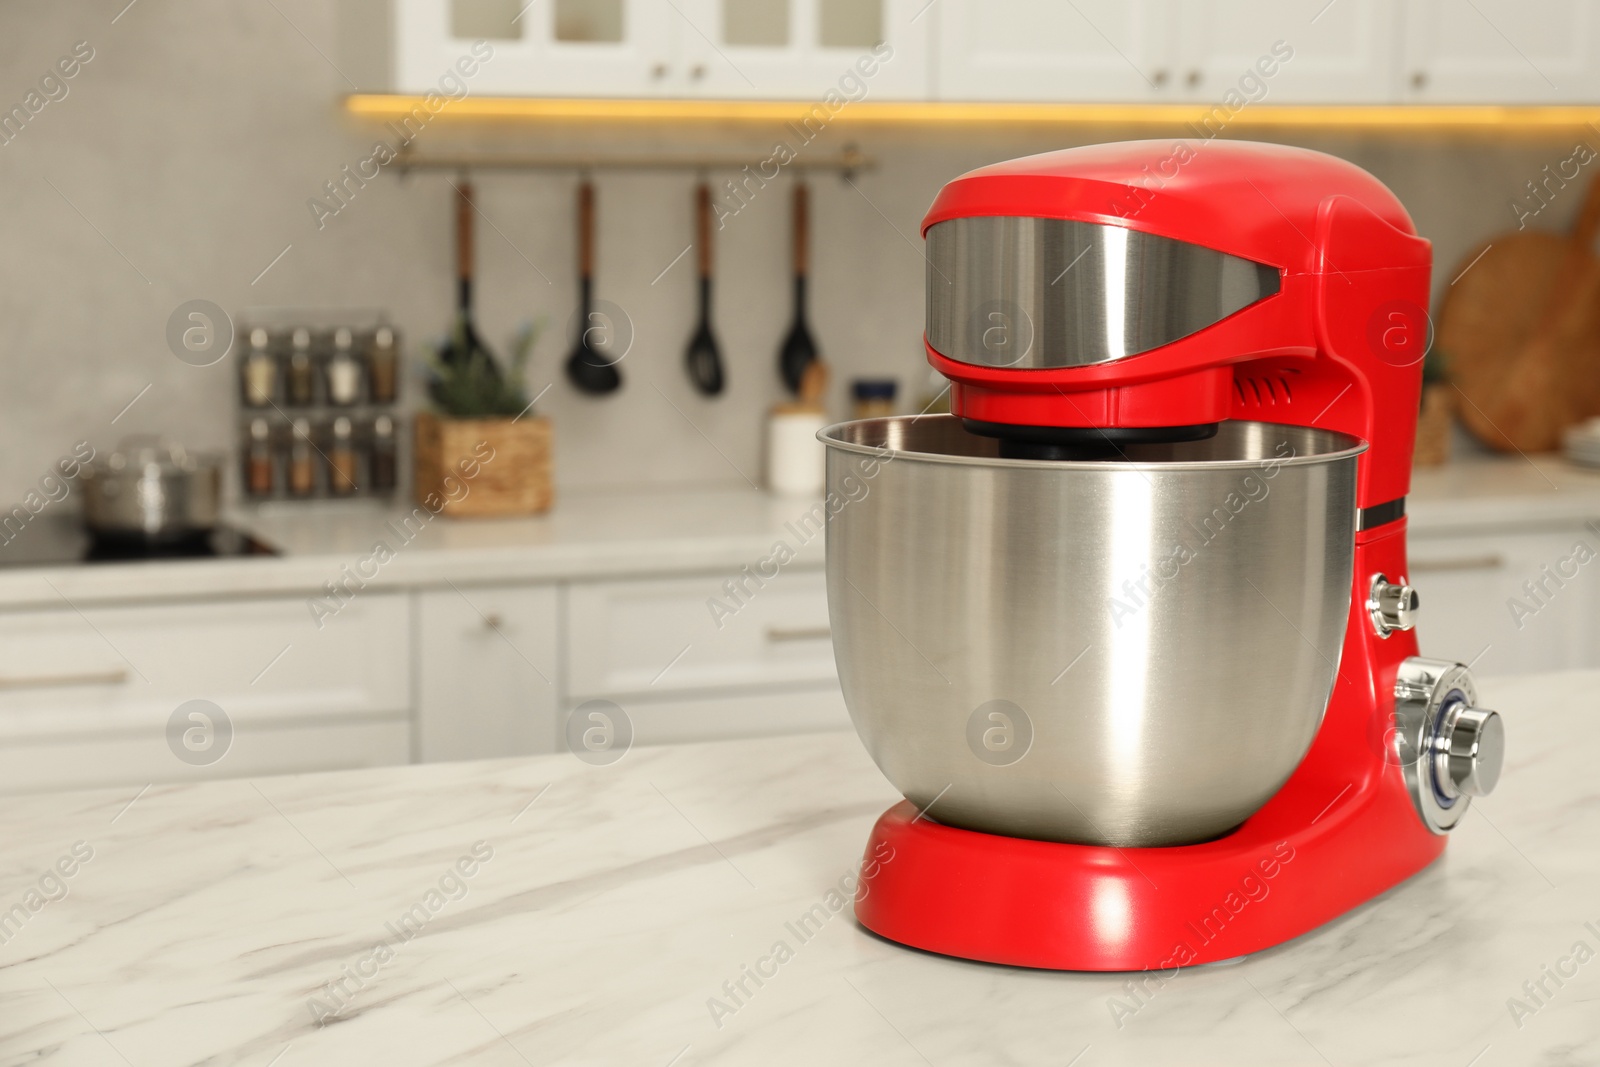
(542, 47)
(769, 49)
(803, 49)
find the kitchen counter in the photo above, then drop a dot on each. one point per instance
(659, 531)
(605, 906)
(586, 535)
(1477, 493)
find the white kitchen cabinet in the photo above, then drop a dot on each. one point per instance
(1501, 51)
(1509, 603)
(1302, 52)
(1049, 51)
(735, 715)
(488, 668)
(805, 49)
(624, 48)
(86, 697)
(662, 637)
(751, 49)
(139, 757)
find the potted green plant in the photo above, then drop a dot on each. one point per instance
(482, 451)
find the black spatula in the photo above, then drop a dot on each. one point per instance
(704, 359)
(464, 347)
(588, 369)
(798, 350)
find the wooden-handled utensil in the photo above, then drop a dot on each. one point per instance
(1519, 332)
(587, 368)
(703, 358)
(798, 349)
(464, 346)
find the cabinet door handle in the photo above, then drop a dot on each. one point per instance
(1489, 561)
(117, 676)
(776, 634)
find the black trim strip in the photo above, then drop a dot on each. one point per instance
(1379, 514)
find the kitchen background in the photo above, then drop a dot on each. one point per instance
(180, 163)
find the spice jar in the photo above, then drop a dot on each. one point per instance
(873, 397)
(302, 462)
(301, 372)
(342, 458)
(260, 371)
(383, 366)
(344, 373)
(384, 466)
(258, 467)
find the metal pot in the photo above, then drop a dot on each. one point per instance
(152, 489)
(1130, 652)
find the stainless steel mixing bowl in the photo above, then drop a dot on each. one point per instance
(1130, 652)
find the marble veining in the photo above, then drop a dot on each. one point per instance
(609, 911)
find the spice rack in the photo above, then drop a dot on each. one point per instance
(319, 409)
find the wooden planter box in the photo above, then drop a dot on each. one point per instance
(1433, 425)
(481, 467)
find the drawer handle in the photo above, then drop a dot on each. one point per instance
(53, 681)
(1490, 561)
(776, 634)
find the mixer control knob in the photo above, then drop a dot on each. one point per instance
(1392, 605)
(1449, 749)
(1469, 751)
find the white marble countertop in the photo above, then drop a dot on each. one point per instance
(606, 905)
(662, 531)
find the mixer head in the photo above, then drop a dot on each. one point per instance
(1090, 299)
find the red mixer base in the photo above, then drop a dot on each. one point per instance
(1286, 871)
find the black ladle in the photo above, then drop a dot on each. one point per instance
(703, 358)
(588, 369)
(798, 349)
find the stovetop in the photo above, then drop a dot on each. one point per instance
(50, 542)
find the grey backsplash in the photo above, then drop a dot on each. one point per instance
(181, 161)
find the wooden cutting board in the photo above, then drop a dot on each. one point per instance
(1519, 332)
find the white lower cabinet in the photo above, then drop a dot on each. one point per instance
(660, 637)
(706, 657)
(1510, 603)
(488, 672)
(730, 715)
(105, 695)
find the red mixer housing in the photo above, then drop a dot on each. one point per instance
(1338, 347)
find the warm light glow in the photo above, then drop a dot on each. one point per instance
(912, 113)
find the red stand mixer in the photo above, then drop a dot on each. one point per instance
(1185, 384)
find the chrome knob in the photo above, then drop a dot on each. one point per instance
(1449, 750)
(1392, 605)
(1470, 750)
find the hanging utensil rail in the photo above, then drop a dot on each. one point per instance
(847, 161)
